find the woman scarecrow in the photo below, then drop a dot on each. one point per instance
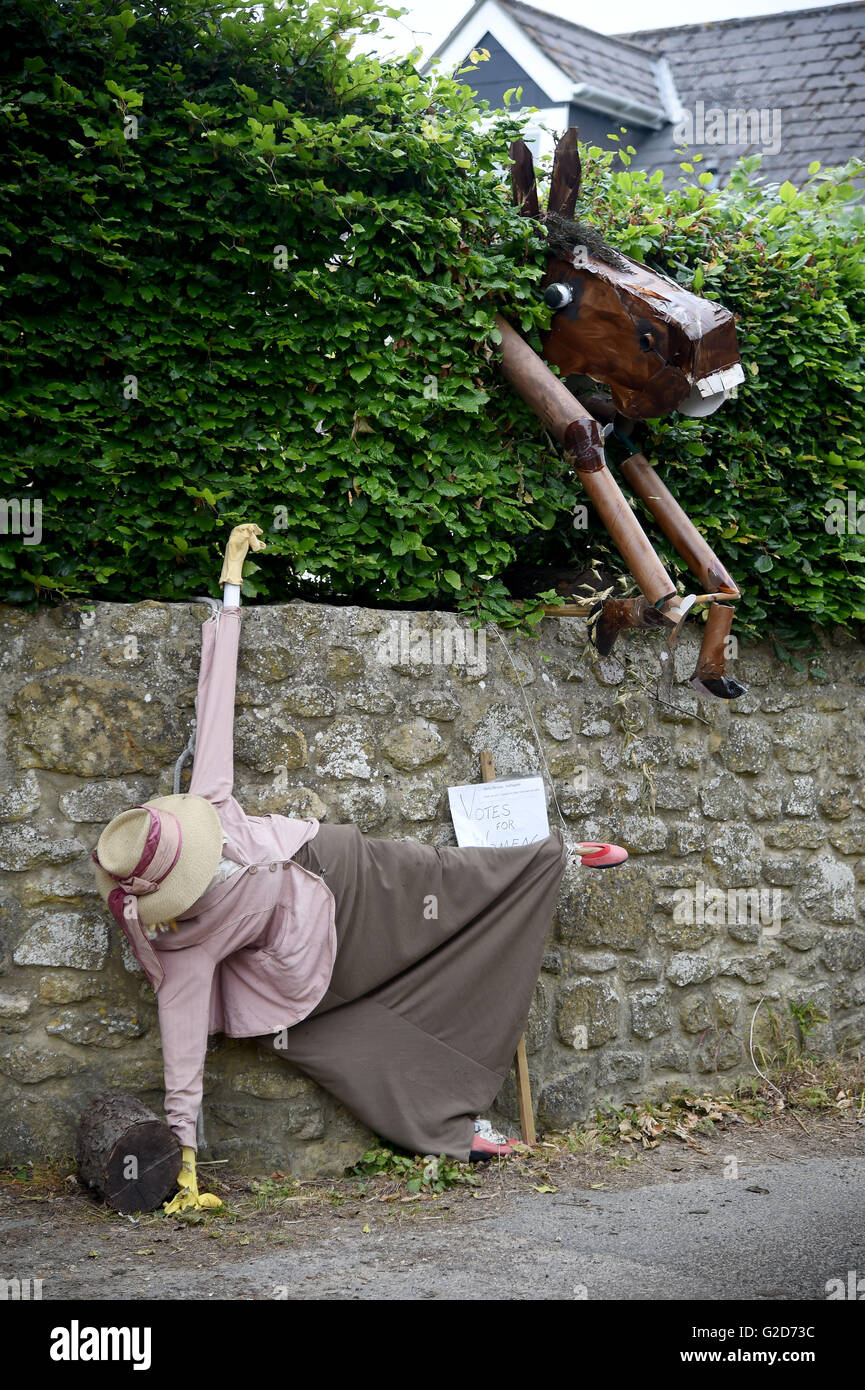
(395, 974)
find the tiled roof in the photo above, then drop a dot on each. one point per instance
(625, 66)
(809, 65)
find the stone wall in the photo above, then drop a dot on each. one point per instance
(653, 970)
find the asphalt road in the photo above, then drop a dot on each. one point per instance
(699, 1239)
(709, 1239)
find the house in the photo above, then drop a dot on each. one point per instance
(790, 86)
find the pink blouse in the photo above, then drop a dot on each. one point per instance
(255, 953)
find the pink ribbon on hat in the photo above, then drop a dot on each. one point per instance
(160, 854)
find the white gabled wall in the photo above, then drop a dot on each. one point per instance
(490, 18)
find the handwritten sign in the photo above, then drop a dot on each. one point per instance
(500, 813)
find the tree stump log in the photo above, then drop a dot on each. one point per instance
(126, 1154)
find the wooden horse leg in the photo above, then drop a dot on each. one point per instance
(579, 434)
(710, 676)
(677, 525)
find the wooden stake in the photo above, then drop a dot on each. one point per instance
(521, 1063)
(524, 1093)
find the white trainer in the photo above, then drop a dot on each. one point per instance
(486, 1131)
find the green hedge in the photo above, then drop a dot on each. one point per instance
(171, 370)
(174, 371)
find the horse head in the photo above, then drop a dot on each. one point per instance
(655, 344)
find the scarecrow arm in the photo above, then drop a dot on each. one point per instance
(213, 768)
(184, 1013)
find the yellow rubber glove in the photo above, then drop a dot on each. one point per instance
(242, 538)
(188, 1197)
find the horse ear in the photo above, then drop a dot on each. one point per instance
(567, 176)
(525, 188)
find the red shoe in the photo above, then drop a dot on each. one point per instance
(601, 856)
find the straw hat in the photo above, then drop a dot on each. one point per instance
(184, 840)
(152, 863)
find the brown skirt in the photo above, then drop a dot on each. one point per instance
(438, 954)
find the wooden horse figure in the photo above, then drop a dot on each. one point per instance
(658, 348)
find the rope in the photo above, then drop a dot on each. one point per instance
(188, 752)
(625, 439)
(200, 1141)
(751, 1050)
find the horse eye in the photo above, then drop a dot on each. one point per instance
(557, 296)
(646, 342)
